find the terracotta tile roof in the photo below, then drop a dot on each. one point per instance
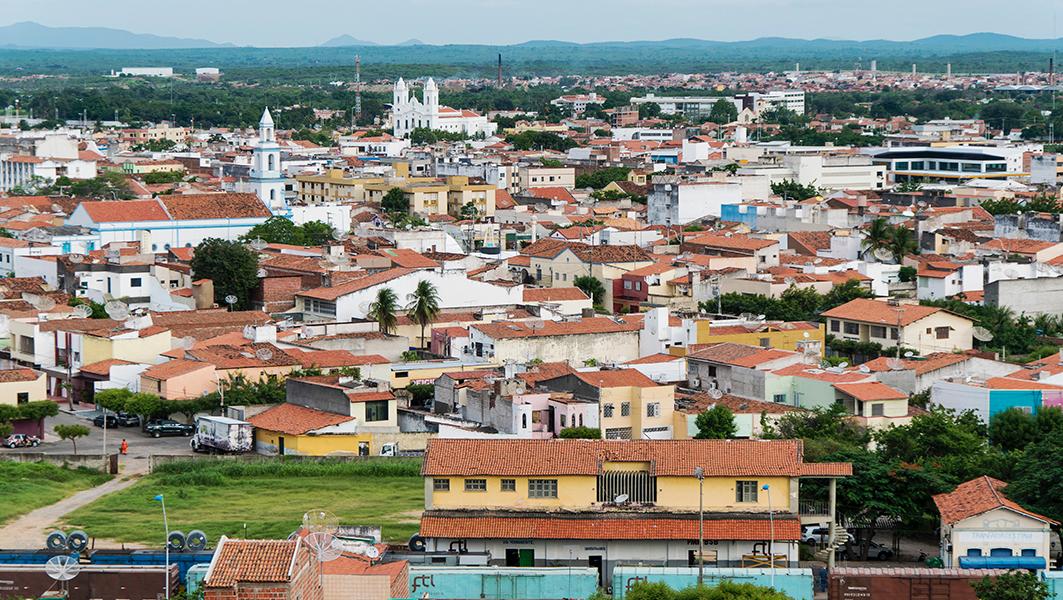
(296, 420)
(327, 359)
(614, 378)
(976, 497)
(13, 375)
(591, 526)
(1017, 246)
(549, 193)
(175, 368)
(809, 242)
(866, 310)
(820, 374)
(1008, 383)
(739, 355)
(366, 396)
(554, 294)
(719, 458)
(187, 207)
(120, 211)
(699, 403)
(923, 365)
(103, 367)
(252, 561)
(870, 391)
(241, 357)
(545, 248)
(503, 200)
(355, 285)
(520, 329)
(653, 359)
(735, 242)
(544, 371)
(408, 259)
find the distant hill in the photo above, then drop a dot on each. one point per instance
(346, 40)
(412, 42)
(34, 35)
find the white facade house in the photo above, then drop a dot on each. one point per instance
(11, 249)
(675, 202)
(939, 282)
(409, 113)
(267, 178)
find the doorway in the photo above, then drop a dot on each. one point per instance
(595, 562)
(280, 445)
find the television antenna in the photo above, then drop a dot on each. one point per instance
(982, 334)
(264, 354)
(231, 300)
(116, 310)
(320, 521)
(62, 568)
(715, 394)
(77, 259)
(895, 364)
(259, 244)
(83, 311)
(326, 548)
(883, 254)
(43, 303)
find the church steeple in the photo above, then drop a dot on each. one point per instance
(267, 177)
(265, 127)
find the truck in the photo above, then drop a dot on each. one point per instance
(221, 435)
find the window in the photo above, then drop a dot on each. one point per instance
(441, 485)
(627, 284)
(852, 328)
(509, 485)
(402, 373)
(625, 409)
(524, 421)
(475, 485)
(878, 331)
(542, 488)
(765, 342)
(779, 398)
(322, 307)
(607, 410)
(745, 491)
(563, 420)
(376, 410)
(712, 371)
(135, 282)
(653, 409)
(877, 410)
(23, 397)
(942, 333)
(893, 333)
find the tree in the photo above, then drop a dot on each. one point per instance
(384, 310)
(877, 236)
(580, 433)
(649, 110)
(1016, 585)
(723, 112)
(1013, 429)
(907, 273)
(600, 178)
(908, 187)
(468, 211)
(395, 201)
(72, 433)
(424, 306)
(717, 423)
(793, 190)
(725, 590)
(98, 310)
(232, 266)
(592, 287)
(1037, 481)
(317, 233)
(901, 243)
(275, 230)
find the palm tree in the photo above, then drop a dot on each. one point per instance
(592, 287)
(424, 306)
(901, 243)
(384, 310)
(877, 236)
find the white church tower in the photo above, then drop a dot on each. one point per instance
(267, 180)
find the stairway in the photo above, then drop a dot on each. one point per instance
(838, 538)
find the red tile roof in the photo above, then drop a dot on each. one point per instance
(976, 497)
(870, 391)
(296, 420)
(866, 310)
(355, 285)
(604, 527)
(739, 355)
(103, 367)
(12, 375)
(616, 378)
(735, 242)
(560, 294)
(119, 211)
(252, 561)
(185, 207)
(719, 458)
(521, 329)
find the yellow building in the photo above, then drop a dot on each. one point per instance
(19, 386)
(631, 406)
(133, 345)
(599, 503)
(334, 186)
(782, 335)
(424, 195)
(427, 371)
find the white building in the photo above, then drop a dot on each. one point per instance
(675, 202)
(143, 72)
(409, 113)
(578, 103)
(267, 179)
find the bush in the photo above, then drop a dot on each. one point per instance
(580, 433)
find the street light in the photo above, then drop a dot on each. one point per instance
(699, 474)
(771, 533)
(165, 526)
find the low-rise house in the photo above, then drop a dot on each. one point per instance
(988, 397)
(982, 528)
(736, 368)
(750, 415)
(600, 503)
(766, 251)
(256, 569)
(631, 406)
(600, 338)
(19, 386)
(179, 379)
(924, 329)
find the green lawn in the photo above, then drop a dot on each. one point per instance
(28, 486)
(267, 497)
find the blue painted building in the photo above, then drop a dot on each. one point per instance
(795, 583)
(502, 583)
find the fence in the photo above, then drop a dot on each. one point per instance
(156, 460)
(73, 461)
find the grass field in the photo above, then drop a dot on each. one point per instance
(28, 486)
(267, 497)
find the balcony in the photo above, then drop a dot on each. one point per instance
(813, 511)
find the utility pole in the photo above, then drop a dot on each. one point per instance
(699, 473)
(357, 90)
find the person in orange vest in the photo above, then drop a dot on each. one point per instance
(124, 448)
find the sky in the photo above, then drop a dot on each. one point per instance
(311, 22)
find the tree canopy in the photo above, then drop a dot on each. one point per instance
(281, 230)
(716, 423)
(232, 266)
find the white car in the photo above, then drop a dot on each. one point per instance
(815, 534)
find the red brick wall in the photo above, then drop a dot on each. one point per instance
(277, 293)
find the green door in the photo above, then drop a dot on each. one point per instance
(527, 557)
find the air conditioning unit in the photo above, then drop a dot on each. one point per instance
(696, 382)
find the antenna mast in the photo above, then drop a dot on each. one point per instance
(499, 70)
(357, 88)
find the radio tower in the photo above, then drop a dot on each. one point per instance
(499, 69)
(357, 88)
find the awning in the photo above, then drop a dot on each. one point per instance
(1002, 562)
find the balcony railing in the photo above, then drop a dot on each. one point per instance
(813, 508)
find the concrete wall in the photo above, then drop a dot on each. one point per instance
(72, 461)
(1031, 296)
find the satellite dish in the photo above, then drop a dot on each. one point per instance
(873, 210)
(865, 369)
(231, 299)
(372, 552)
(320, 521)
(883, 254)
(715, 394)
(622, 498)
(44, 303)
(982, 334)
(262, 273)
(790, 281)
(259, 244)
(324, 545)
(264, 354)
(56, 208)
(83, 311)
(187, 343)
(909, 354)
(365, 307)
(805, 335)
(77, 259)
(895, 364)
(62, 567)
(842, 365)
(116, 310)
(1011, 273)
(113, 254)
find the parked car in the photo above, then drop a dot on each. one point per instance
(875, 551)
(161, 427)
(21, 440)
(815, 534)
(123, 419)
